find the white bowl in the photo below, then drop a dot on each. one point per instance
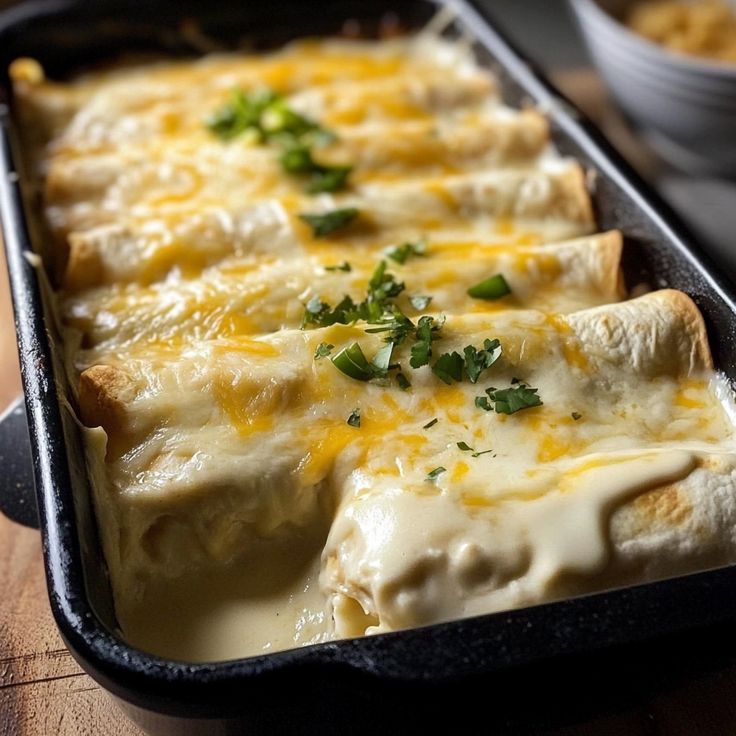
(685, 105)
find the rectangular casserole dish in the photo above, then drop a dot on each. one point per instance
(388, 681)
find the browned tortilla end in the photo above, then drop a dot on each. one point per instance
(104, 395)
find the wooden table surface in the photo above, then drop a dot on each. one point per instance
(44, 692)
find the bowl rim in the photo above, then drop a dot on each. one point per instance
(685, 62)
(685, 92)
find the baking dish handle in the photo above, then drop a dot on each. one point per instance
(17, 490)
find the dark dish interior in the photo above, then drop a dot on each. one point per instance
(69, 36)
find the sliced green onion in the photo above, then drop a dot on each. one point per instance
(494, 287)
(352, 362)
(354, 418)
(325, 223)
(431, 423)
(329, 179)
(382, 360)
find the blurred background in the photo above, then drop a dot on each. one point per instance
(548, 34)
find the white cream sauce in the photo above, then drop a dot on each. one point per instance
(269, 601)
(567, 528)
(409, 558)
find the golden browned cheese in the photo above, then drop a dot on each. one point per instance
(275, 498)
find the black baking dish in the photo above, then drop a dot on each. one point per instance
(560, 653)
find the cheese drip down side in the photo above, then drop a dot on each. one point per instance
(245, 482)
(434, 559)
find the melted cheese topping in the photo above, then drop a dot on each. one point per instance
(228, 482)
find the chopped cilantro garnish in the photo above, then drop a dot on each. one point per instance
(298, 159)
(314, 310)
(494, 287)
(265, 116)
(344, 266)
(328, 178)
(482, 403)
(383, 284)
(242, 114)
(430, 423)
(449, 367)
(420, 303)
(354, 418)
(421, 350)
(509, 400)
(575, 415)
(476, 361)
(394, 322)
(436, 473)
(401, 253)
(466, 448)
(317, 312)
(279, 121)
(323, 350)
(377, 308)
(326, 223)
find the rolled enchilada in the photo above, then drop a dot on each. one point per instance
(348, 355)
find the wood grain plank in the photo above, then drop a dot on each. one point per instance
(42, 689)
(35, 666)
(30, 644)
(69, 706)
